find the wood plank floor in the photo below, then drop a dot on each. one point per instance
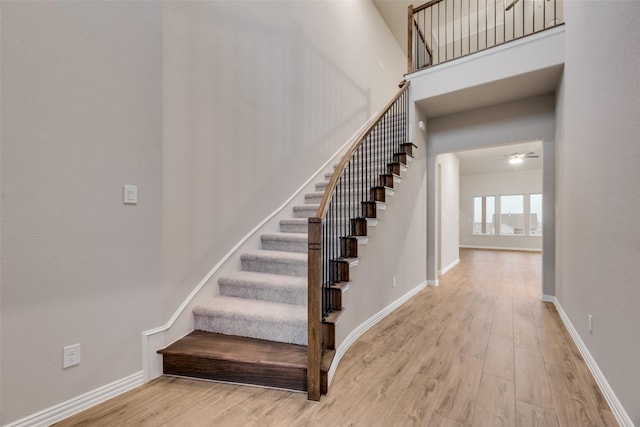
(481, 349)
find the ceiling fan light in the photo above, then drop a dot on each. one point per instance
(516, 160)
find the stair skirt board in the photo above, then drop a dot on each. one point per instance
(237, 360)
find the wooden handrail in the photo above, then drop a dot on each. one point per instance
(426, 5)
(333, 182)
(314, 309)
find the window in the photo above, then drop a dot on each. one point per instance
(512, 215)
(509, 214)
(535, 208)
(484, 209)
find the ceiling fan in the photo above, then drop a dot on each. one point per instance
(517, 158)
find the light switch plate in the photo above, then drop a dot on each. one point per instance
(131, 194)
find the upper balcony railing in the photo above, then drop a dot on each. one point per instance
(442, 30)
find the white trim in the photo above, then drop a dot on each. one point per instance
(78, 404)
(548, 298)
(501, 248)
(616, 407)
(146, 335)
(433, 282)
(367, 324)
(449, 267)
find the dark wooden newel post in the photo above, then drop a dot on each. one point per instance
(314, 298)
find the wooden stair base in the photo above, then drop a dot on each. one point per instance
(327, 358)
(237, 359)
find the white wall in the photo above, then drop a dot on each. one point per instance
(518, 182)
(216, 110)
(81, 117)
(598, 237)
(448, 211)
(257, 96)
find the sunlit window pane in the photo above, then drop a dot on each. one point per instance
(512, 215)
(535, 207)
(484, 219)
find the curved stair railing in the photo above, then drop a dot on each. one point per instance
(358, 184)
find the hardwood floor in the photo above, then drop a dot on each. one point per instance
(481, 349)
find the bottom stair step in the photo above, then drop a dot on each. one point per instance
(237, 359)
(264, 320)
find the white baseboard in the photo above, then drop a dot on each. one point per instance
(548, 298)
(500, 248)
(616, 407)
(449, 267)
(78, 404)
(367, 324)
(433, 282)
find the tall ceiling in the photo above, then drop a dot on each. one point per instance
(394, 13)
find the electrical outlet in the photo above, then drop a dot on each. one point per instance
(590, 323)
(393, 282)
(71, 355)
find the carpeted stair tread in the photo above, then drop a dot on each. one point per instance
(274, 255)
(294, 225)
(290, 237)
(275, 262)
(264, 286)
(253, 318)
(306, 211)
(266, 311)
(288, 242)
(314, 197)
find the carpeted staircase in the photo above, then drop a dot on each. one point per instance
(264, 305)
